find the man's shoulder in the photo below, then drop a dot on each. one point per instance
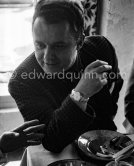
(27, 62)
(97, 47)
(95, 40)
(95, 37)
(28, 66)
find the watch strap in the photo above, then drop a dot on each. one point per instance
(79, 96)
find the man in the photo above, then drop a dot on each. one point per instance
(69, 89)
(28, 134)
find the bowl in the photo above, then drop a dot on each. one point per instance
(92, 142)
(70, 162)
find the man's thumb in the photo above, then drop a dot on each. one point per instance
(15, 134)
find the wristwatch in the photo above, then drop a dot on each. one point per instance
(77, 96)
(3, 157)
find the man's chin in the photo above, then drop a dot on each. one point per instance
(53, 71)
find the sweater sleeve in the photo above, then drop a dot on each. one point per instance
(129, 98)
(105, 101)
(63, 124)
(115, 80)
(101, 48)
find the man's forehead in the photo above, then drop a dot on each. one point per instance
(59, 32)
(40, 22)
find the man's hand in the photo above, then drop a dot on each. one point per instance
(93, 78)
(30, 133)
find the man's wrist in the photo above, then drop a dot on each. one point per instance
(79, 99)
(81, 105)
(78, 96)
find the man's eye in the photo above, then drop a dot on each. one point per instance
(59, 46)
(39, 46)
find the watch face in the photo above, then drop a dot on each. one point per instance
(77, 96)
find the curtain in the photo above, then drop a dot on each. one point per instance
(90, 16)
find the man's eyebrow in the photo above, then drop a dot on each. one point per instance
(60, 42)
(37, 41)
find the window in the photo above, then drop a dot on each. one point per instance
(15, 41)
(15, 36)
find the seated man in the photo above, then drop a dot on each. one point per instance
(129, 102)
(28, 134)
(70, 83)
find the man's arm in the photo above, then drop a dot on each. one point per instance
(63, 124)
(99, 47)
(115, 78)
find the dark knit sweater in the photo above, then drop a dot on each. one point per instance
(129, 97)
(42, 97)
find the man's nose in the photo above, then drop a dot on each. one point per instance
(49, 53)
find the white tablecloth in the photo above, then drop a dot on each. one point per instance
(38, 156)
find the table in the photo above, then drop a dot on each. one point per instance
(38, 156)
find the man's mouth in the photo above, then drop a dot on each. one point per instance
(52, 64)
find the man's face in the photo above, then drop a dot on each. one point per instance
(55, 47)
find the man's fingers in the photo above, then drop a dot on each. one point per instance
(103, 81)
(30, 123)
(34, 128)
(26, 125)
(15, 134)
(32, 139)
(96, 64)
(34, 136)
(103, 68)
(104, 75)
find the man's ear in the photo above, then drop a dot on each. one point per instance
(80, 41)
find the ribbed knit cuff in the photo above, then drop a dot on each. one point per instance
(76, 114)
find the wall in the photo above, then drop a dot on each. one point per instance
(120, 31)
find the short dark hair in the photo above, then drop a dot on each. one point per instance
(54, 11)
